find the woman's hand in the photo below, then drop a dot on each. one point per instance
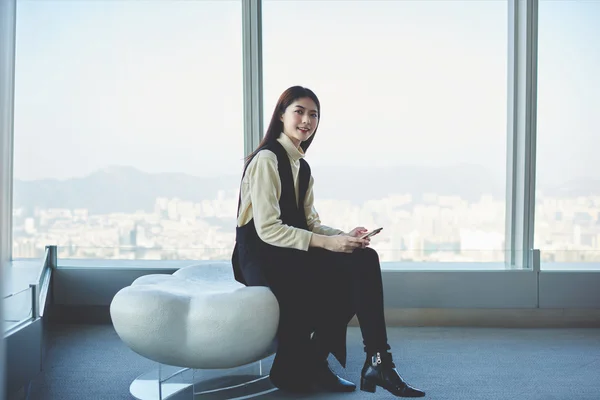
(344, 244)
(357, 232)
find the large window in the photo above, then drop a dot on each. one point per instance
(567, 227)
(128, 128)
(413, 130)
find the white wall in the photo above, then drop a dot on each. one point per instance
(7, 43)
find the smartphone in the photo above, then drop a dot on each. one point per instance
(372, 233)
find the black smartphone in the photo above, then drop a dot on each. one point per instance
(372, 233)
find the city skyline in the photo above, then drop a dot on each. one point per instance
(417, 227)
(427, 232)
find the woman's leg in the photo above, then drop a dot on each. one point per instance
(292, 364)
(367, 296)
(349, 284)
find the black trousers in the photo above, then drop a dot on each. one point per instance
(320, 294)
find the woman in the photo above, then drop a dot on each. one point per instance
(320, 276)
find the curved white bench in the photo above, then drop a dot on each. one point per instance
(187, 321)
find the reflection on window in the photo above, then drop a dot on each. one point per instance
(413, 130)
(567, 221)
(128, 128)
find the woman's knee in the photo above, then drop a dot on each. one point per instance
(366, 261)
(369, 256)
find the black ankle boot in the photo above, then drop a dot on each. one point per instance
(291, 379)
(326, 380)
(323, 378)
(379, 370)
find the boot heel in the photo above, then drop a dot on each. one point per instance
(367, 386)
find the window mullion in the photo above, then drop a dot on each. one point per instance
(522, 107)
(253, 82)
(7, 80)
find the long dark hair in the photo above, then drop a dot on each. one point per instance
(276, 125)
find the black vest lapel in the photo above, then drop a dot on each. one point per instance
(292, 214)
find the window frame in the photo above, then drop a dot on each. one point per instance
(521, 134)
(521, 127)
(521, 124)
(7, 79)
(7, 73)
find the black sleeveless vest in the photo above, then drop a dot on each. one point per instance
(250, 253)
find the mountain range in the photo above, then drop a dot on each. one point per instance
(126, 189)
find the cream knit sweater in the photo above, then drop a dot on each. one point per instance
(260, 193)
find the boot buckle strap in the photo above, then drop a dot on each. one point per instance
(376, 359)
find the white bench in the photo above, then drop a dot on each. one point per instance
(186, 321)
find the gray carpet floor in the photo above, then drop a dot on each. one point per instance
(91, 362)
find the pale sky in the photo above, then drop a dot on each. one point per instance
(157, 85)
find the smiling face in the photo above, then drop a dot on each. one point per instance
(300, 120)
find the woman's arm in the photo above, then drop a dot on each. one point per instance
(312, 216)
(265, 191)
